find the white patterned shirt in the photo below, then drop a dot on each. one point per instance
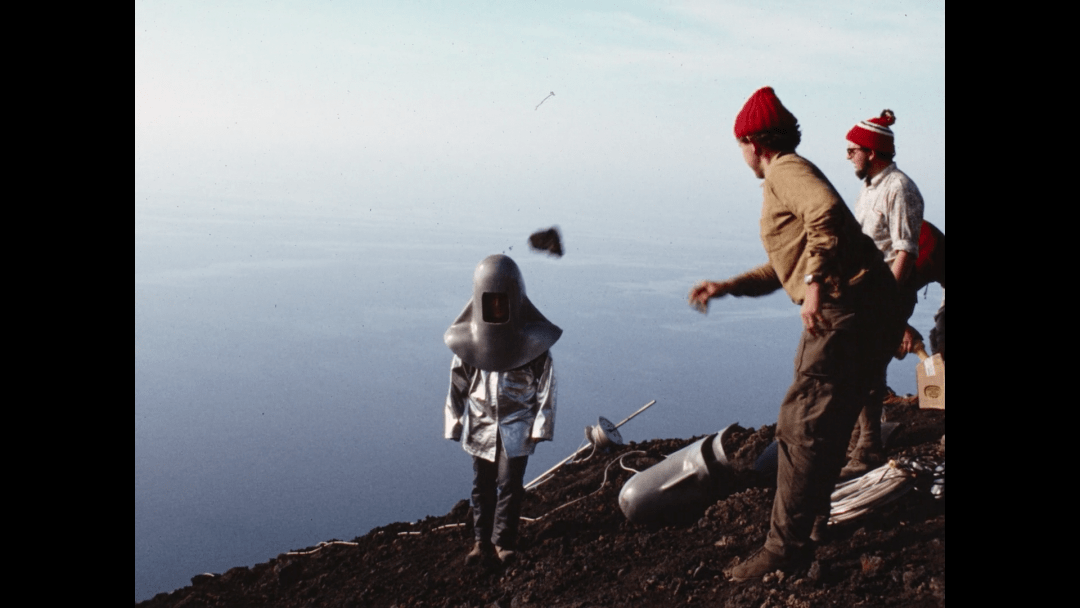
(890, 211)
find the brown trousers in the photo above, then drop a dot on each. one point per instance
(837, 373)
(868, 427)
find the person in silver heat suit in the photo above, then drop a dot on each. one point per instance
(501, 401)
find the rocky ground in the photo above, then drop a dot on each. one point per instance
(587, 554)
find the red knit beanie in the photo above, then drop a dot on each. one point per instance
(875, 133)
(763, 111)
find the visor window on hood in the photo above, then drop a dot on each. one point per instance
(496, 307)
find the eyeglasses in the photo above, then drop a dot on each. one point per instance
(851, 151)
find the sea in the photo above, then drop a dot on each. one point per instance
(290, 372)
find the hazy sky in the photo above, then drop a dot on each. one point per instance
(304, 176)
(429, 107)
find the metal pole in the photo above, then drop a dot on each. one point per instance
(631, 416)
(552, 469)
(585, 447)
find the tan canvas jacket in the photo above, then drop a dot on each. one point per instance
(806, 229)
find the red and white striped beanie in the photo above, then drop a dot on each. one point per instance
(875, 133)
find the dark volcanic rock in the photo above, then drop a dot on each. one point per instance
(585, 553)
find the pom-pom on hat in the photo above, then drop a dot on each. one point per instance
(762, 112)
(875, 133)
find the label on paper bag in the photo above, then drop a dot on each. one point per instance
(928, 365)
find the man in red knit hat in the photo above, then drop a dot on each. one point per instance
(851, 324)
(890, 211)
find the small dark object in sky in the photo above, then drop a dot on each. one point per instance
(551, 94)
(547, 240)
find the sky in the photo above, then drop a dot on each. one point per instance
(430, 108)
(314, 182)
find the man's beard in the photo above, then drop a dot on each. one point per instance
(863, 173)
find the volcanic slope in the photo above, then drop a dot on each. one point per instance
(585, 553)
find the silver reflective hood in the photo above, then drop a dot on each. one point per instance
(497, 346)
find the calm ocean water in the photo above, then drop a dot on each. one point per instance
(290, 370)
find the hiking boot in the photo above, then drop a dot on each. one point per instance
(506, 556)
(476, 556)
(766, 562)
(861, 464)
(821, 533)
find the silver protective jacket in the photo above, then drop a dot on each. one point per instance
(518, 405)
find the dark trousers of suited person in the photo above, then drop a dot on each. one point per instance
(497, 494)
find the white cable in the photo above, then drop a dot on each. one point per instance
(321, 545)
(603, 483)
(873, 490)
